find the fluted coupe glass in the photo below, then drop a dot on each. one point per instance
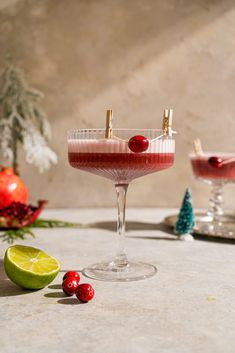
(90, 151)
(216, 174)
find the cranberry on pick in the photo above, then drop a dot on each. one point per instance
(138, 143)
(70, 286)
(215, 162)
(85, 292)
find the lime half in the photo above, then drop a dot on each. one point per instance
(29, 267)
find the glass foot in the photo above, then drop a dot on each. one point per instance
(134, 271)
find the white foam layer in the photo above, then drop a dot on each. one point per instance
(117, 146)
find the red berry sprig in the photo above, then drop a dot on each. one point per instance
(138, 143)
(84, 292)
(215, 162)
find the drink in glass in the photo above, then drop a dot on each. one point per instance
(125, 155)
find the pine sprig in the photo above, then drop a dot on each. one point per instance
(53, 223)
(12, 235)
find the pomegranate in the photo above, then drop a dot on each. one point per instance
(18, 215)
(12, 188)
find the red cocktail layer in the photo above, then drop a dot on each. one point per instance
(121, 167)
(203, 169)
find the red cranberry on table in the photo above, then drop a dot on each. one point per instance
(70, 286)
(215, 162)
(138, 143)
(85, 292)
(73, 274)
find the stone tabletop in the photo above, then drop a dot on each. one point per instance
(188, 307)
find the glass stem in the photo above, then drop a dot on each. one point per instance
(216, 202)
(120, 260)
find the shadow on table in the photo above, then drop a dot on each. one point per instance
(7, 288)
(146, 226)
(65, 300)
(55, 286)
(138, 226)
(69, 301)
(55, 295)
(130, 225)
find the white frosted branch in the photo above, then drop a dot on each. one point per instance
(33, 128)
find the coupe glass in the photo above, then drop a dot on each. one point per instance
(216, 175)
(89, 151)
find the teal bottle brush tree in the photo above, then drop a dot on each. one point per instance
(22, 121)
(185, 222)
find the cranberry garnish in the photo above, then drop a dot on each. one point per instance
(70, 286)
(215, 162)
(85, 292)
(138, 143)
(72, 274)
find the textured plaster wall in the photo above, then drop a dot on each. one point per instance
(134, 56)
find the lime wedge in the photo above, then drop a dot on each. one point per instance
(29, 267)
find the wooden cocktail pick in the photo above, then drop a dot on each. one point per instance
(109, 126)
(197, 147)
(167, 122)
(170, 118)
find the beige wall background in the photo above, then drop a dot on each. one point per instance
(136, 57)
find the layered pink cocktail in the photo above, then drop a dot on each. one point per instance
(214, 167)
(113, 159)
(121, 155)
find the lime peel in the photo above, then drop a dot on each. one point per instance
(29, 267)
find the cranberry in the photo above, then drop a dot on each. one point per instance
(70, 286)
(138, 143)
(215, 162)
(72, 274)
(85, 292)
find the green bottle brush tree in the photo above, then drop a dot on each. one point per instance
(186, 221)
